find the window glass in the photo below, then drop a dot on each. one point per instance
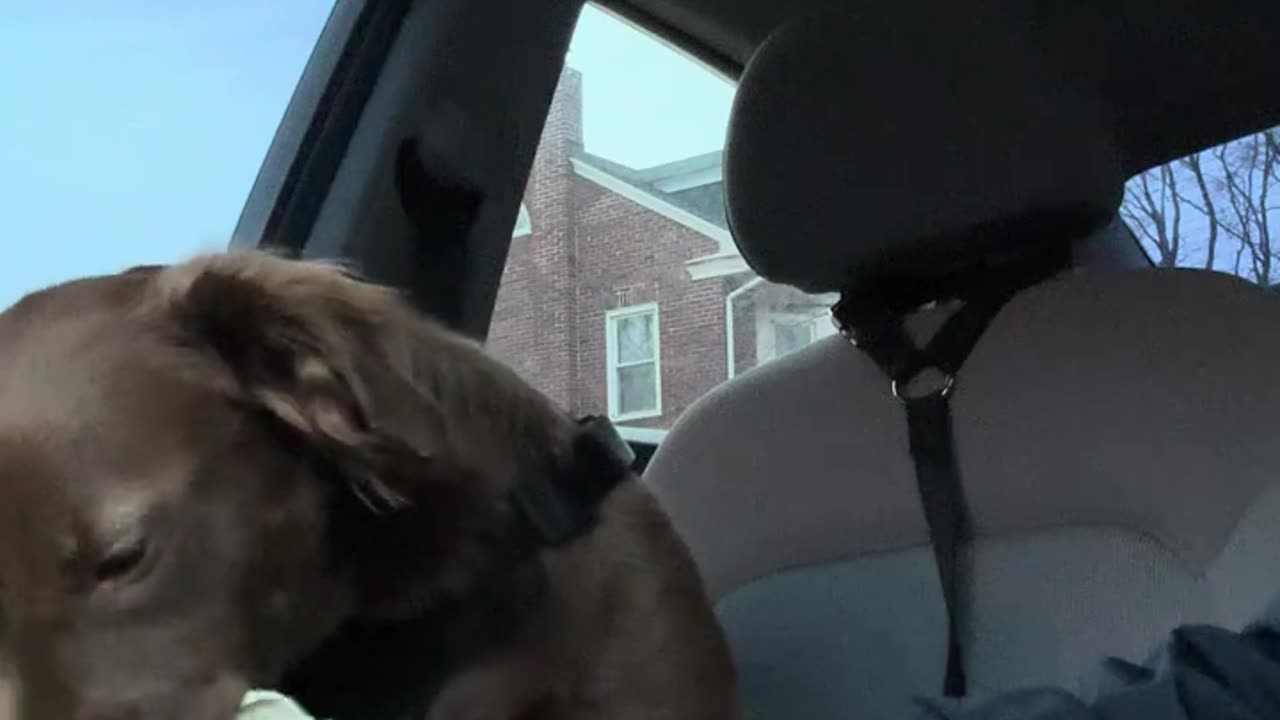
(131, 132)
(633, 360)
(1213, 209)
(623, 292)
(791, 335)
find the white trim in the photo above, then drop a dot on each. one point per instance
(524, 226)
(730, 350)
(819, 323)
(824, 325)
(648, 436)
(649, 201)
(767, 332)
(611, 318)
(691, 179)
(716, 265)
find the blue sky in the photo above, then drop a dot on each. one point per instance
(131, 130)
(643, 102)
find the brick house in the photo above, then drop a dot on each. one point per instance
(623, 288)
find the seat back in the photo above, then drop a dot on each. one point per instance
(1117, 459)
(1113, 426)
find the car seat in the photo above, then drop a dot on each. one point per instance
(1114, 426)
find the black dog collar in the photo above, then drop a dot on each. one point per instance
(393, 670)
(558, 504)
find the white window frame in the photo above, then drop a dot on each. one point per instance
(611, 319)
(766, 330)
(523, 226)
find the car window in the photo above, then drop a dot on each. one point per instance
(1213, 209)
(132, 131)
(623, 292)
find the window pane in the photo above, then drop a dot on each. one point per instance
(626, 203)
(791, 336)
(1213, 209)
(132, 131)
(635, 338)
(637, 389)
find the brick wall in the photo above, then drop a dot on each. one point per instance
(590, 251)
(625, 247)
(534, 320)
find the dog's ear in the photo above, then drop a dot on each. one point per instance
(411, 416)
(329, 357)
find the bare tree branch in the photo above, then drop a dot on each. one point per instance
(1206, 208)
(1262, 218)
(1169, 192)
(1272, 139)
(1149, 215)
(1234, 189)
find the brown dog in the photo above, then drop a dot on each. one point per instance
(210, 470)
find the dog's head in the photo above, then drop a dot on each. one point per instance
(206, 468)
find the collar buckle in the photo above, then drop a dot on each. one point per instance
(600, 428)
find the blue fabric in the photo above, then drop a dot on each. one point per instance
(1201, 673)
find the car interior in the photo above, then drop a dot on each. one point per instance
(1113, 425)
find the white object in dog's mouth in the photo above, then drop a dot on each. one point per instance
(269, 705)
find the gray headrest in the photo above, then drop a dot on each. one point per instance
(899, 139)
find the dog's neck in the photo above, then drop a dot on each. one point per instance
(391, 667)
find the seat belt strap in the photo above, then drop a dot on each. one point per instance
(882, 336)
(942, 497)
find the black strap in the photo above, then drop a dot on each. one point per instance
(556, 505)
(878, 330)
(941, 494)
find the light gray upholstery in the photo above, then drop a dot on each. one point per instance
(1115, 428)
(869, 139)
(1116, 437)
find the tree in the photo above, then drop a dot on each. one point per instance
(1153, 208)
(1195, 168)
(1248, 169)
(1212, 209)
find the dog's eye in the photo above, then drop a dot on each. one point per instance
(121, 559)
